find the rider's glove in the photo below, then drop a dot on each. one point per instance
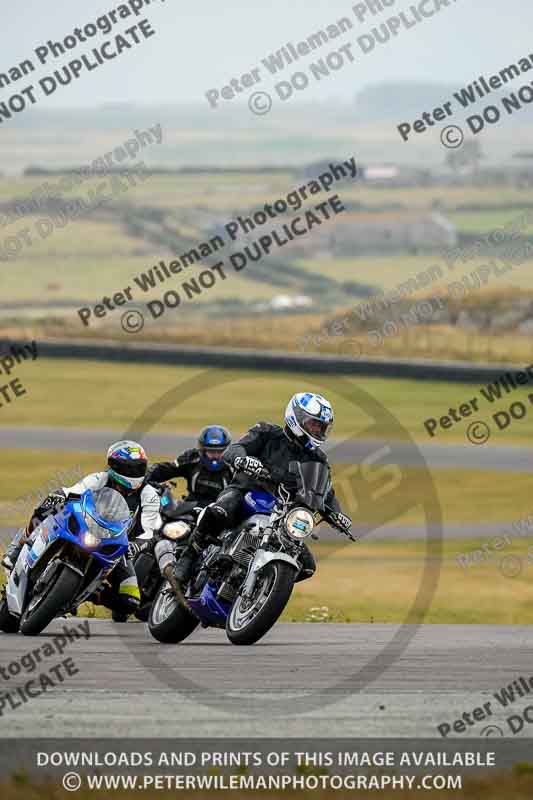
(188, 457)
(249, 465)
(135, 549)
(341, 521)
(53, 500)
(50, 504)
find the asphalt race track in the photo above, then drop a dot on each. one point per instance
(465, 456)
(121, 687)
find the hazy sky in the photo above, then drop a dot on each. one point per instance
(202, 45)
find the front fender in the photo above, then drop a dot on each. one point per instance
(260, 560)
(264, 557)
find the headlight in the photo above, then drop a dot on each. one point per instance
(90, 540)
(176, 530)
(299, 523)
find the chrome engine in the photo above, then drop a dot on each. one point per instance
(242, 551)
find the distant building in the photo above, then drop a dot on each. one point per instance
(389, 175)
(364, 233)
(285, 302)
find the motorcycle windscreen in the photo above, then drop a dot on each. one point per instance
(106, 513)
(313, 481)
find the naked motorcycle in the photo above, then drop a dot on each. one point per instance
(243, 582)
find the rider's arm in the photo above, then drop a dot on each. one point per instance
(50, 504)
(166, 470)
(331, 501)
(94, 481)
(251, 444)
(149, 512)
(338, 517)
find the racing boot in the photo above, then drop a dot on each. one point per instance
(14, 550)
(183, 568)
(211, 523)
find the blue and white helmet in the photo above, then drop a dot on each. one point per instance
(308, 419)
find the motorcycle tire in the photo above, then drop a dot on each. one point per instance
(58, 598)
(249, 621)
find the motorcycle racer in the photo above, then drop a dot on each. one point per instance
(308, 421)
(126, 474)
(203, 468)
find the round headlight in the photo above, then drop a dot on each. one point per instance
(299, 523)
(176, 530)
(90, 540)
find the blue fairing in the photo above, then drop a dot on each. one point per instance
(77, 519)
(257, 502)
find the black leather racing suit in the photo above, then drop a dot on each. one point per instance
(275, 450)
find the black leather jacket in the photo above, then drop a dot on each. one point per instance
(203, 485)
(269, 444)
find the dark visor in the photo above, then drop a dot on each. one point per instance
(129, 469)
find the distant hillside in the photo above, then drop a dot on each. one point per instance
(406, 100)
(293, 134)
(400, 99)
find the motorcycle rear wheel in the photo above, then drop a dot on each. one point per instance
(58, 598)
(170, 622)
(249, 620)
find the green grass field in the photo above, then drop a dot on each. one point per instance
(92, 394)
(171, 191)
(401, 581)
(94, 256)
(486, 221)
(388, 272)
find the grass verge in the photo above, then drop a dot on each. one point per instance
(378, 582)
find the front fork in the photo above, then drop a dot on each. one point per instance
(261, 558)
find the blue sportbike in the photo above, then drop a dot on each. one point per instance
(65, 560)
(244, 581)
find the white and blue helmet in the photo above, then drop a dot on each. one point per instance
(308, 419)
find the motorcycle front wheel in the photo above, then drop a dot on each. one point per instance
(50, 602)
(250, 619)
